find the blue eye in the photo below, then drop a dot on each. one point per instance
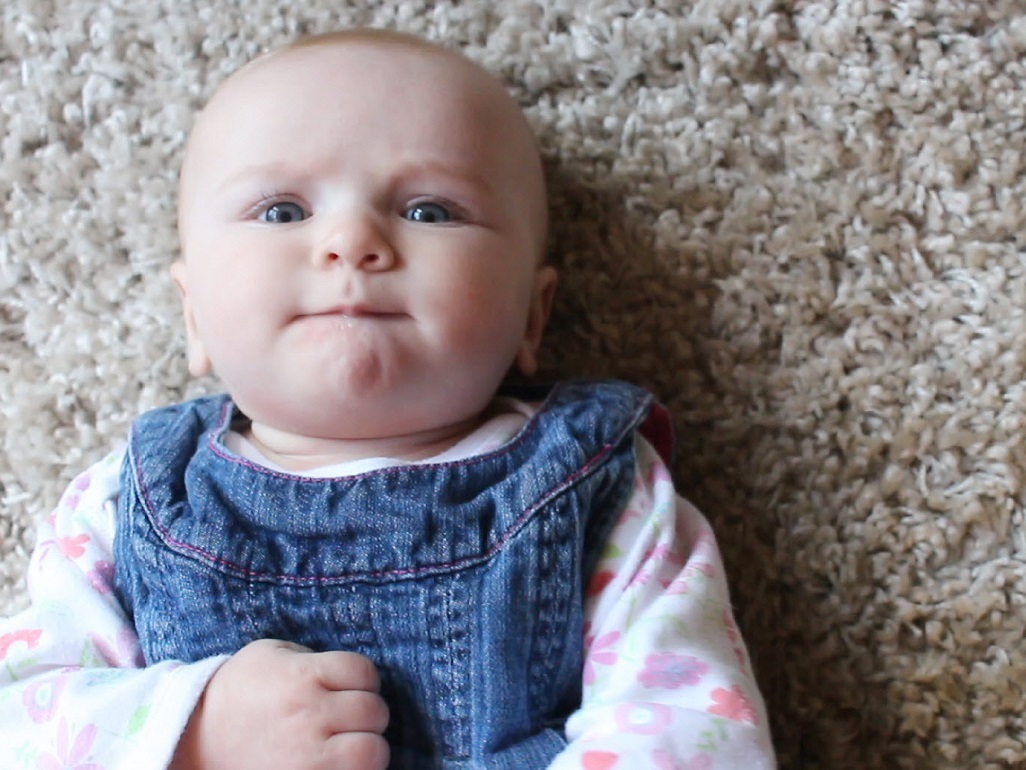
(282, 213)
(428, 213)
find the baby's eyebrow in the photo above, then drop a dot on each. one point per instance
(261, 172)
(462, 176)
(452, 172)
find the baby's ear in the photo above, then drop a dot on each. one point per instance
(545, 282)
(199, 362)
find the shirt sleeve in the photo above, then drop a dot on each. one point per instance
(667, 680)
(73, 689)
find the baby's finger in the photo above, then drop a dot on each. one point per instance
(345, 671)
(290, 646)
(358, 751)
(355, 711)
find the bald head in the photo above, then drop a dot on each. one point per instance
(362, 219)
(340, 63)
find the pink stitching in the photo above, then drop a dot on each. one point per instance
(441, 567)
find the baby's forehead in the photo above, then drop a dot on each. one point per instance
(349, 54)
(332, 78)
(328, 75)
(296, 92)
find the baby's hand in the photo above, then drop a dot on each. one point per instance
(274, 705)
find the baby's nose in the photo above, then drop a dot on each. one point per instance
(359, 241)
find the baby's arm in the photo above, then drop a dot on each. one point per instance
(74, 692)
(667, 683)
(72, 689)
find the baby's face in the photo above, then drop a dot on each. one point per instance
(361, 227)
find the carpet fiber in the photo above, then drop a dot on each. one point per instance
(800, 223)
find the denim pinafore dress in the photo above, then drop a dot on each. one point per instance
(463, 581)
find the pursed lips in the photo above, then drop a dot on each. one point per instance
(357, 311)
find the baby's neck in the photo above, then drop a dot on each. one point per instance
(305, 453)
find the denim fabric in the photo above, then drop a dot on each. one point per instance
(462, 581)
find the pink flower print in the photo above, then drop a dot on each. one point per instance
(643, 718)
(654, 559)
(125, 653)
(41, 698)
(599, 760)
(599, 654)
(663, 761)
(641, 578)
(705, 543)
(28, 636)
(728, 622)
(680, 586)
(665, 552)
(101, 577)
(671, 671)
(71, 755)
(72, 547)
(73, 496)
(734, 705)
(682, 583)
(600, 581)
(742, 659)
(701, 567)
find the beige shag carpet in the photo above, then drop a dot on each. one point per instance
(801, 223)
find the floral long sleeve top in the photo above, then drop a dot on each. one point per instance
(667, 683)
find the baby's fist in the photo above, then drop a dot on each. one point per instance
(274, 704)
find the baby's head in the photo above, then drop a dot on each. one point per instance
(362, 219)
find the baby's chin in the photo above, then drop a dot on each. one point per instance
(369, 405)
(299, 447)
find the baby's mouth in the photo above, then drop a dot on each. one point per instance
(354, 312)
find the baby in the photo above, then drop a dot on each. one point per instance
(371, 553)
